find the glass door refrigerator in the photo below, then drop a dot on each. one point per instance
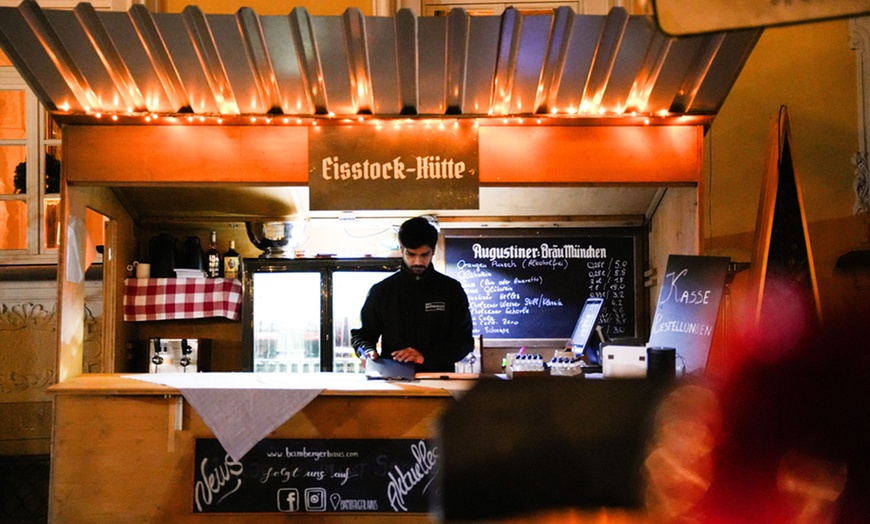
(297, 313)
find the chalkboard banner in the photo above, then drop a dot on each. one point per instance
(317, 476)
(534, 287)
(688, 305)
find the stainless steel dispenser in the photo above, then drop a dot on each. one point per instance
(178, 355)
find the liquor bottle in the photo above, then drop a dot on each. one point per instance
(213, 258)
(232, 261)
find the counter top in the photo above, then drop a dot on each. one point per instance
(243, 408)
(329, 383)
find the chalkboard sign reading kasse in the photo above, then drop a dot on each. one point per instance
(688, 306)
(317, 476)
(533, 286)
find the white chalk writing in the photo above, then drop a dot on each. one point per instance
(402, 482)
(224, 479)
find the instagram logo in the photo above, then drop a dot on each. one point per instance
(315, 499)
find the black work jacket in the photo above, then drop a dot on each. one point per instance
(428, 313)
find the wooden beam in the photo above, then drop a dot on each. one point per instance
(278, 155)
(179, 154)
(618, 154)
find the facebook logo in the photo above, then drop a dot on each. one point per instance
(288, 500)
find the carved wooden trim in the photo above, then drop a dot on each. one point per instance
(859, 37)
(20, 316)
(31, 316)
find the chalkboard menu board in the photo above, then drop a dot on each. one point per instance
(529, 284)
(688, 305)
(317, 476)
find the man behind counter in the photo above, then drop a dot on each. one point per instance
(419, 314)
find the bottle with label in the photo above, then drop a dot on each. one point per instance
(232, 261)
(212, 258)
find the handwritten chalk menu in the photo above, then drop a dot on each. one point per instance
(527, 287)
(317, 476)
(688, 305)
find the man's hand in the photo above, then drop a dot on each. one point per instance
(408, 354)
(370, 353)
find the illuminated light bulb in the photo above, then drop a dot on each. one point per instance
(220, 120)
(538, 121)
(115, 118)
(268, 120)
(646, 121)
(600, 110)
(65, 107)
(253, 119)
(190, 119)
(202, 119)
(298, 120)
(331, 114)
(519, 120)
(664, 112)
(286, 120)
(504, 121)
(99, 115)
(359, 119)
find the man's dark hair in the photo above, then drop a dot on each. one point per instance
(416, 232)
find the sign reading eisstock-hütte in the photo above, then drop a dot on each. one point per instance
(404, 165)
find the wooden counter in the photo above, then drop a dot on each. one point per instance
(123, 449)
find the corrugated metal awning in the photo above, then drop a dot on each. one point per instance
(578, 68)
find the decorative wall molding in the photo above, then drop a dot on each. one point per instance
(859, 37)
(22, 316)
(28, 337)
(25, 364)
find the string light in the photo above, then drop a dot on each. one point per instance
(629, 115)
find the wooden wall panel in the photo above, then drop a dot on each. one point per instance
(119, 458)
(180, 154)
(590, 155)
(177, 154)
